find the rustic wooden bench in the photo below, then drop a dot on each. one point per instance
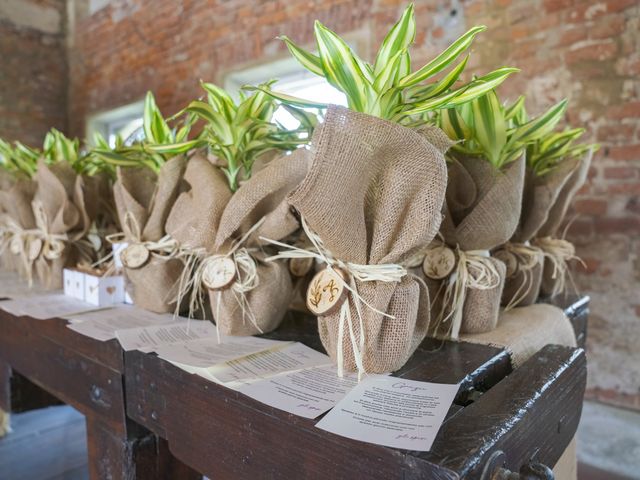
(42, 362)
(501, 420)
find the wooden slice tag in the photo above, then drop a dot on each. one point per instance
(326, 291)
(510, 261)
(299, 267)
(134, 256)
(53, 249)
(439, 262)
(219, 272)
(34, 249)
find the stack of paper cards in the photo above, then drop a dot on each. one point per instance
(46, 306)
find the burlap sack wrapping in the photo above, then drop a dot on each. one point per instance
(261, 198)
(539, 196)
(16, 203)
(373, 195)
(524, 331)
(62, 196)
(577, 171)
(147, 198)
(481, 212)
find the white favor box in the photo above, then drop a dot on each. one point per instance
(103, 291)
(116, 248)
(73, 283)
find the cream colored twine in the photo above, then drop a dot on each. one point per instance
(559, 251)
(527, 256)
(246, 278)
(474, 270)
(363, 273)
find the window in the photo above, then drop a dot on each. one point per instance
(292, 79)
(125, 121)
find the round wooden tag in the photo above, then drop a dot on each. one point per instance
(219, 272)
(53, 249)
(34, 249)
(134, 256)
(439, 262)
(299, 267)
(509, 259)
(326, 291)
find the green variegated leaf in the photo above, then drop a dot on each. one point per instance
(399, 38)
(490, 127)
(442, 61)
(540, 126)
(341, 68)
(482, 85)
(307, 59)
(513, 111)
(289, 99)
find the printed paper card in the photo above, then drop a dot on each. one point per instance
(392, 411)
(46, 306)
(103, 324)
(307, 393)
(148, 339)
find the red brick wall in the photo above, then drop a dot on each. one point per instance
(586, 50)
(33, 76)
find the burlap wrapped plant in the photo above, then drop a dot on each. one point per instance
(371, 200)
(18, 219)
(61, 219)
(255, 297)
(556, 249)
(542, 186)
(143, 202)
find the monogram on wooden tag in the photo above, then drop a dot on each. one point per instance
(439, 262)
(34, 249)
(326, 291)
(219, 272)
(299, 267)
(510, 261)
(134, 256)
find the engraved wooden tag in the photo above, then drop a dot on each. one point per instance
(326, 291)
(439, 262)
(509, 259)
(299, 267)
(134, 256)
(35, 247)
(219, 272)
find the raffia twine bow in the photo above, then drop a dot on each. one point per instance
(247, 278)
(355, 272)
(527, 257)
(559, 252)
(18, 240)
(473, 270)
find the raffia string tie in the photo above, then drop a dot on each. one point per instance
(520, 258)
(559, 252)
(473, 269)
(246, 278)
(362, 273)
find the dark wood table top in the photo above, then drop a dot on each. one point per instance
(499, 418)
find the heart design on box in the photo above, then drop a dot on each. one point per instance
(93, 289)
(111, 290)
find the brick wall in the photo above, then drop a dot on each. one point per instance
(586, 50)
(33, 69)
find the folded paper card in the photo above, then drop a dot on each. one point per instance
(43, 307)
(392, 411)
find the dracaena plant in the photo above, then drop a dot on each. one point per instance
(161, 141)
(19, 159)
(484, 127)
(238, 133)
(547, 152)
(389, 88)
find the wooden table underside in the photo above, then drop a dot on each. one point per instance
(43, 362)
(530, 413)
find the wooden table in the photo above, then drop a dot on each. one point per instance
(500, 418)
(44, 362)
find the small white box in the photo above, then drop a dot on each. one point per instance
(127, 298)
(73, 283)
(116, 248)
(103, 291)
